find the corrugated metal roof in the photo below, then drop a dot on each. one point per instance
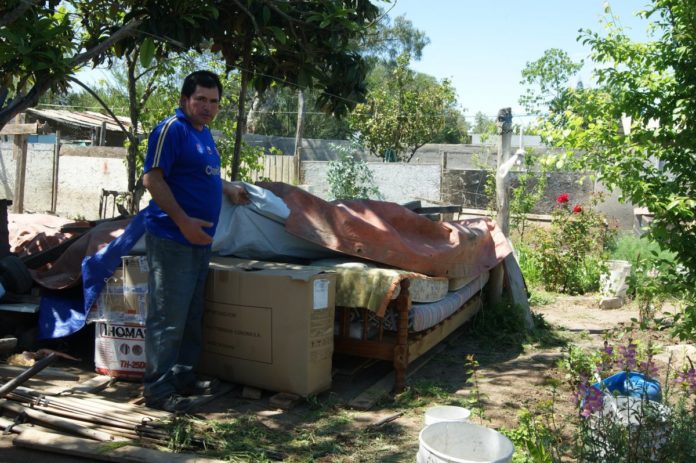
(88, 119)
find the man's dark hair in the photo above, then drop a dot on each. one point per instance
(205, 79)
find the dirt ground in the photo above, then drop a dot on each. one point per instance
(506, 380)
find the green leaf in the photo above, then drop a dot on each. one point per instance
(147, 52)
(279, 35)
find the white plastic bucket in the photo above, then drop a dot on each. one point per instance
(613, 284)
(463, 442)
(446, 413)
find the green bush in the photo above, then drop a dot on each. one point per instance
(570, 254)
(349, 177)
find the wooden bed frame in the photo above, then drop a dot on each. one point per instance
(401, 347)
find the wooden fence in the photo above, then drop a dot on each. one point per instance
(277, 168)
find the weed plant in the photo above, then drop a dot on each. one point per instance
(610, 427)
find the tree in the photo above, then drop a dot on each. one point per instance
(546, 81)
(653, 163)
(388, 40)
(43, 43)
(402, 115)
(484, 125)
(274, 112)
(304, 44)
(309, 44)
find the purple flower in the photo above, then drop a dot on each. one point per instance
(594, 401)
(687, 379)
(607, 357)
(627, 356)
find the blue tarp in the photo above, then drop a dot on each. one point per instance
(254, 231)
(62, 313)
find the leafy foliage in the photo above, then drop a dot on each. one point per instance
(571, 252)
(42, 44)
(652, 159)
(528, 191)
(546, 81)
(349, 177)
(403, 114)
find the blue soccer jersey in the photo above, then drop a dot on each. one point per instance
(190, 164)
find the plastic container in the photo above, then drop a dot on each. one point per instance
(613, 284)
(648, 423)
(446, 413)
(631, 384)
(462, 442)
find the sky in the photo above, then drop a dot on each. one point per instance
(483, 45)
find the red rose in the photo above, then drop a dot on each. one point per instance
(577, 209)
(563, 198)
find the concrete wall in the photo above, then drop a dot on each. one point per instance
(468, 187)
(397, 182)
(39, 174)
(80, 180)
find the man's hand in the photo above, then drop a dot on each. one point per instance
(236, 192)
(192, 229)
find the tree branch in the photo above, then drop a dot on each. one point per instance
(101, 102)
(127, 30)
(15, 14)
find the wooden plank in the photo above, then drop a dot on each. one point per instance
(92, 385)
(486, 213)
(373, 394)
(100, 451)
(26, 375)
(49, 373)
(93, 151)
(19, 153)
(417, 347)
(436, 334)
(20, 129)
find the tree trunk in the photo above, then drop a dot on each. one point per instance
(237, 156)
(133, 132)
(241, 119)
(252, 118)
(297, 157)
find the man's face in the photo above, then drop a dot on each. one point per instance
(202, 106)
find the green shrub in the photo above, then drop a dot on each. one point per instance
(349, 177)
(570, 254)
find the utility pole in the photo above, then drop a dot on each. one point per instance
(502, 181)
(512, 277)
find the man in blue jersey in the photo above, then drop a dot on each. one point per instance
(182, 174)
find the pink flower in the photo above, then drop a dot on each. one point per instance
(577, 209)
(563, 198)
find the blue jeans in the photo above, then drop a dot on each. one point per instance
(174, 316)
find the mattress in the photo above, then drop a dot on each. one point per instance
(360, 284)
(424, 316)
(421, 316)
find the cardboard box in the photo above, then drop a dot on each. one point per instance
(269, 325)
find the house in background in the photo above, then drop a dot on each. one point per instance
(86, 128)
